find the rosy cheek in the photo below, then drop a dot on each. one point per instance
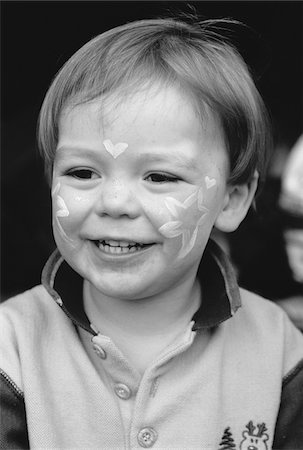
(67, 213)
(60, 214)
(208, 194)
(187, 216)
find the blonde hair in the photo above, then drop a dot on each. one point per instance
(193, 55)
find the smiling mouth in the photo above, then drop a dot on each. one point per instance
(120, 247)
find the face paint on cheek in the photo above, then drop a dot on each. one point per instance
(186, 217)
(114, 149)
(62, 211)
(210, 182)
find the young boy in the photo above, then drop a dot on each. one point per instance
(153, 135)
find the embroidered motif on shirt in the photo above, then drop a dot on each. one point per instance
(227, 442)
(254, 441)
(251, 440)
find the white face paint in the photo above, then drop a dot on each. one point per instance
(181, 223)
(114, 149)
(210, 182)
(164, 194)
(62, 211)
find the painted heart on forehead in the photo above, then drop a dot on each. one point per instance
(114, 149)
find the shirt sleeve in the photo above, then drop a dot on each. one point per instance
(289, 425)
(13, 434)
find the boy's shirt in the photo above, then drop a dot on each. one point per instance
(232, 379)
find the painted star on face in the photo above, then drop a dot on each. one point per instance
(177, 227)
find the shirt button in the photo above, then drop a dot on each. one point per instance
(147, 437)
(122, 391)
(99, 351)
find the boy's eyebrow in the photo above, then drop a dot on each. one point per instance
(66, 151)
(76, 148)
(181, 161)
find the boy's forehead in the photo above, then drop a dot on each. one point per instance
(155, 103)
(151, 124)
(150, 112)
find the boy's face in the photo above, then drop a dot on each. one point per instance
(136, 191)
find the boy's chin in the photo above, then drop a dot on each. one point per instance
(122, 291)
(131, 287)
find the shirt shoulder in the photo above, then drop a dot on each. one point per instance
(28, 301)
(23, 320)
(271, 328)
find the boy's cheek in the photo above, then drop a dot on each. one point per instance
(69, 211)
(189, 220)
(183, 220)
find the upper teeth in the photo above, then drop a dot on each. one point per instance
(119, 243)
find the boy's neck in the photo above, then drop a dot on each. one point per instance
(167, 313)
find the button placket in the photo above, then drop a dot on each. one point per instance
(98, 349)
(122, 391)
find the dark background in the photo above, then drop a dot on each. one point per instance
(38, 37)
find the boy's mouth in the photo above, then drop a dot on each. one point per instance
(120, 247)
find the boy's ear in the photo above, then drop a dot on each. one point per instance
(238, 199)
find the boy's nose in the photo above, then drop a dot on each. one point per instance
(117, 199)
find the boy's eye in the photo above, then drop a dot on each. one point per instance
(161, 178)
(82, 174)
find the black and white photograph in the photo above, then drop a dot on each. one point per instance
(151, 225)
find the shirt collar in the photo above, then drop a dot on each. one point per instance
(221, 296)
